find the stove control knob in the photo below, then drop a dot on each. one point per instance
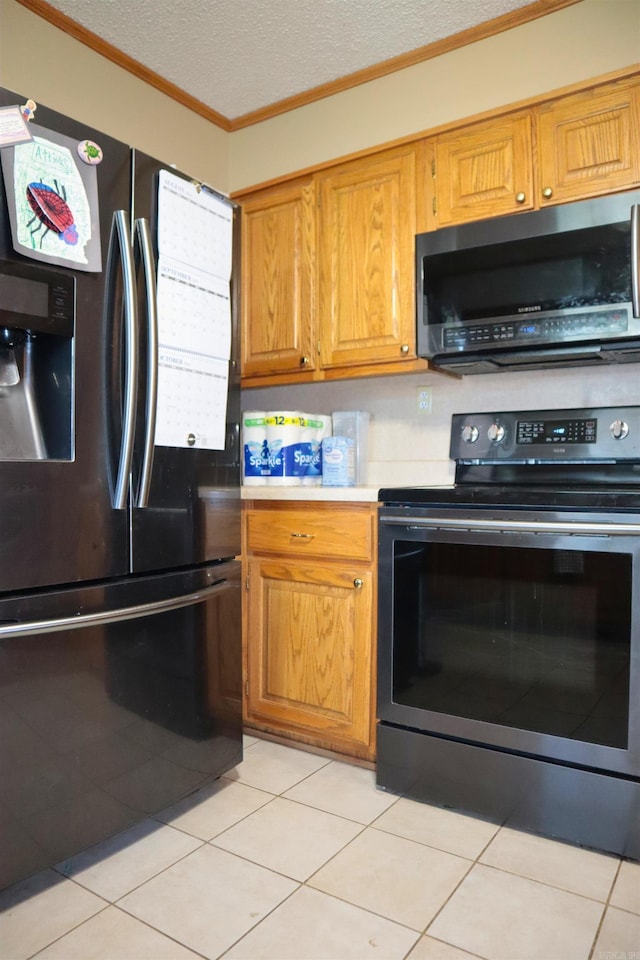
(619, 429)
(469, 433)
(496, 433)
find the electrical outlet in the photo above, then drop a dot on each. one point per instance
(423, 398)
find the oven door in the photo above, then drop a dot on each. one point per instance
(514, 629)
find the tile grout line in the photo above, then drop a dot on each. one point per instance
(604, 912)
(76, 926)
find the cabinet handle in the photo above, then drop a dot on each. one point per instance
(304, 361)
(404, 348)
(547, 192)
(521, 197)
(358, 583)
(303, 536)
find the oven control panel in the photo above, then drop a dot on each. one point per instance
(556, 431)
(598, 433)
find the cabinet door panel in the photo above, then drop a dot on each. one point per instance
(309, 662)
(589, 143)
(366, 255)
(484, 171)
(277, 270)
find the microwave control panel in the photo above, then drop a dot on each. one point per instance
(539, 328)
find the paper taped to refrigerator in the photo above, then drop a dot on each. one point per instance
(194, 310)
(194, 225)
(52, 201)
(194, 315)
(192, 392)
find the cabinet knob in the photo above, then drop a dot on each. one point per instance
(303, 536)
(547, 192)
(404, 349)
(358, 583)
(521, 197)
(304, 361)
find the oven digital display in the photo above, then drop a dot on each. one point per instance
(556, 431)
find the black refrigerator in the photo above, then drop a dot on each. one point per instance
(120, 626)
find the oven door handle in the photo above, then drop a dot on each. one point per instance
(520, 526)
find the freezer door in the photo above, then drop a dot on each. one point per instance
(59, 442)
(116, 702)
(192, 507)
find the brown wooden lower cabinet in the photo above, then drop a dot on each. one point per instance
(310, 624)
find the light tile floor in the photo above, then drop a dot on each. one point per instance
(292, 856)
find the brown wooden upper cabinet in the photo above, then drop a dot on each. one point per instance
(589, 143)
(366, 236)
(278, 262)
(328, 271)
(572, 148)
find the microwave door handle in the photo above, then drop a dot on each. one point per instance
(143, 237)
(121, 220)
(635, 259)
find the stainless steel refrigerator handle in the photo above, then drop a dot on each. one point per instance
(519, 526)
(111, 616)
(143, 235)
(131, 358)
(635, 259)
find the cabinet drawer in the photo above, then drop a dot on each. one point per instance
(312, 532)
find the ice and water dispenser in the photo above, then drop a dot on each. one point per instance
(37, 309)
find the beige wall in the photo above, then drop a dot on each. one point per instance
(43, 63)
(583, 41)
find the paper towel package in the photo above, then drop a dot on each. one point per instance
(283, 447)
(283, 441)
(255, 459)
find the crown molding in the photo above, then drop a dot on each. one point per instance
(540, 8)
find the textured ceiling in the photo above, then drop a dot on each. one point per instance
(237, 56)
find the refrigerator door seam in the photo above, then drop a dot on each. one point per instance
(111, 616)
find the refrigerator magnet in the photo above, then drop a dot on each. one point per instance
(89, 152)
(13, 127)
(28, 109)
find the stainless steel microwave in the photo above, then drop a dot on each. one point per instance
(559, 286)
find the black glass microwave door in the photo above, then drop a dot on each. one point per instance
(533, 639)
(565, 271)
